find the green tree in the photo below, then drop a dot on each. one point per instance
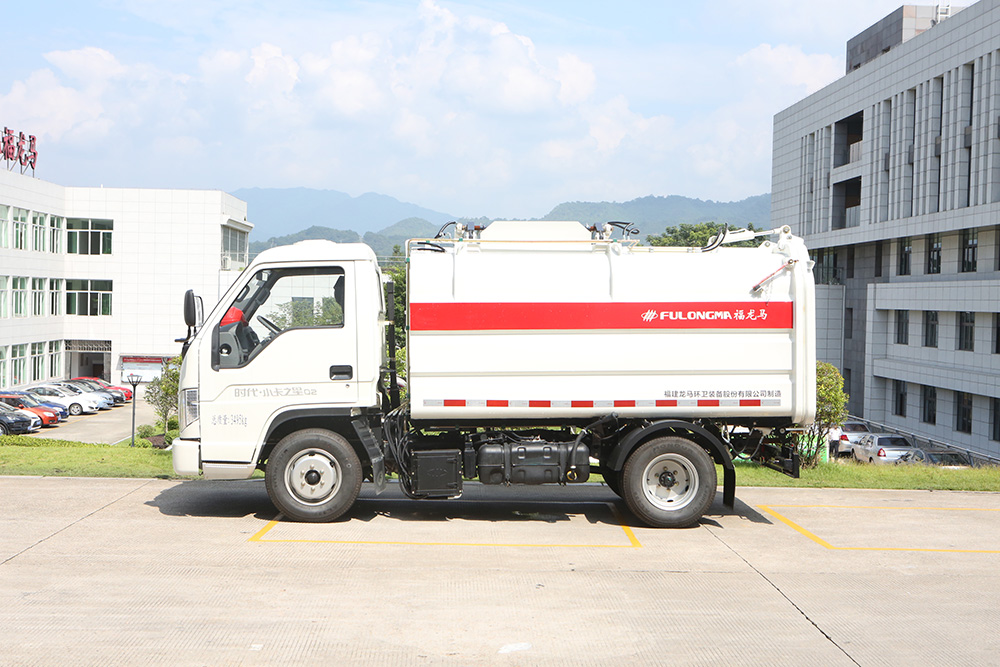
(306, 313)
(831, 411)
(161, 392)
(696, 235)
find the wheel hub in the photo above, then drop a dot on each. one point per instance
(313, 477)
(670, 481)
(667, 479)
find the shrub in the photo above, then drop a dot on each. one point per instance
(142, 442)
(173, 423)
(145, 430)
(169, 437)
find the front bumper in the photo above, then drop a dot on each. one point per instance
(186, 456)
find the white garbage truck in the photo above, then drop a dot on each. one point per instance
(538, 352)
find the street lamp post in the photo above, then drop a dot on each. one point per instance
(133, 380)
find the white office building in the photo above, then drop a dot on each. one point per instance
(892, 175)
(92, 280)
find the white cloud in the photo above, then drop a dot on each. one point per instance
(785, 65)
(273, 71)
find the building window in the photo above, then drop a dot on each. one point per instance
(88, 297)
(848, 323)
(37, 361)
(4, 296)
(3, 366)
(996, 331)
(19, 294)
(20, 226)
(994, 413)
(4, 229)
(899, 398)
(933, 254)
(879, 246)
(930, 328)
(966, 331)
(55, 358)
(18, 364)
(38, 297)
(905, 251)
(928, 404)
(56, 234)
(38, 231)
(970, 247)
(963, 412)
(55, 296)
(234, 248)
(850, 261)
(902, 327)
(88, 237)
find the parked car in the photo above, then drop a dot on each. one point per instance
(107, 385)
(881, 447)
(75, 403)
(12, 421)
(947, 458)
(104, 400)
(48, 417)
(842, 439)
(117, 397)
(38, 401)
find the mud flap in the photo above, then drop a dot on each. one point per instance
(374, 453)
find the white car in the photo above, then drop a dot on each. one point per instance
(74, 403)
(104, 400)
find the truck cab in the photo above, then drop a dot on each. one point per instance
(292, 344)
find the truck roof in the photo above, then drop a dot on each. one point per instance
(317, 250)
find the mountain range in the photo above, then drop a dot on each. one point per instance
(287, 215)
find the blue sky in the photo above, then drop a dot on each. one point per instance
(502, 109)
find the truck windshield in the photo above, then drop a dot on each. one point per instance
(275, 301)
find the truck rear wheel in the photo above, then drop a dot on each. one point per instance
(669, 482)
(313, 475)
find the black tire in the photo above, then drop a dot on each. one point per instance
(613, 479)
(669, 482)
(313, 475)
(76, 409)
(3, 429)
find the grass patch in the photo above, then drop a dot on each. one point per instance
(21, 455)
(850, 475)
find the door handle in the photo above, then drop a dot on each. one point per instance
(341, 372)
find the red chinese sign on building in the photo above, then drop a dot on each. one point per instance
(19, 150)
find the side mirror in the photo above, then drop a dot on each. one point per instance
(190, 309)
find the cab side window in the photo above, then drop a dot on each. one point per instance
(276, 301)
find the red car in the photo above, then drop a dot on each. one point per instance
(48, 416)
(108, 385)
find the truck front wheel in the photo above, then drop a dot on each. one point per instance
(669, 482)
(313, 475)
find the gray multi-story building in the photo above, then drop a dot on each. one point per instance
(892, 175)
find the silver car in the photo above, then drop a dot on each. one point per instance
(842, 439)
(881, 448)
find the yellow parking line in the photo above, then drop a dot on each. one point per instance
(633, 541)
(788, 522)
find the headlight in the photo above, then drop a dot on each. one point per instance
(188, 407)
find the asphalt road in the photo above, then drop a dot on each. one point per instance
(115, 571)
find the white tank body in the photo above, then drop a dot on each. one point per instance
(539, 321)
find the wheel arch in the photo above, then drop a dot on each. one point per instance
(690, 431)
(337, 420)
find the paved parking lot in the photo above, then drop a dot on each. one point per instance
(98, 571)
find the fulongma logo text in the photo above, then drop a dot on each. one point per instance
(688, 315)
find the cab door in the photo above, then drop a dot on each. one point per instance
(287, 341)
